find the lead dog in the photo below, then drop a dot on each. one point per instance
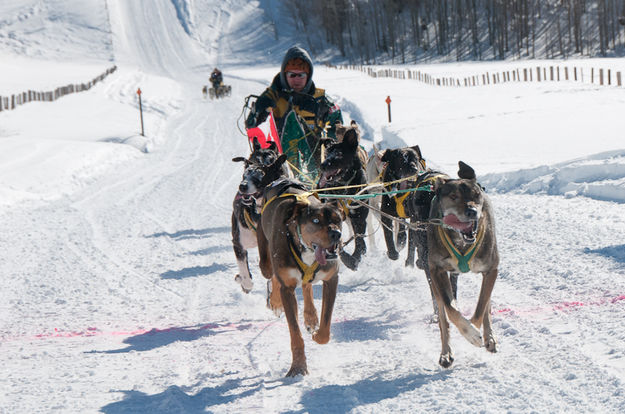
(467, 243)
(343, 168)
(298, 241)
(261, 168)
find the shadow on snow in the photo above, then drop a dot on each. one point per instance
(325, 399)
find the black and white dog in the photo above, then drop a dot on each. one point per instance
(263, 166)
(343, 167)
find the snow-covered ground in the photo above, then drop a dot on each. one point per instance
(117, 268)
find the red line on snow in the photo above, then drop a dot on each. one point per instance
(93, 331)
(561, 306)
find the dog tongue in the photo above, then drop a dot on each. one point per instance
(452, 220)
(320, 255)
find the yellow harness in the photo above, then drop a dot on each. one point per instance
(303, 197)
(248, 220)
(308, 272)
(463, 260)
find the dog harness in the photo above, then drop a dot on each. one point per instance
(303, 197)
(308, 272)
(463, 260)
(248, 220)
(421, 186)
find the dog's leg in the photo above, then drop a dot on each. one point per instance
(488, 282)
(311, 320)
(322, 336)
(389, 237)
(453, 279)
(446, 358)
(375, 203)
(482, 309)
(412, 246)
(359, 226)
(264, 260)
(274, 300)
(244, 277)
(443, 291)
(401, 236)
(298, 364)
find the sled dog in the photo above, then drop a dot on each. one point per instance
(465, 243)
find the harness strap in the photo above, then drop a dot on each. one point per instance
(308, 272)
(248, 220)
(399, 204)
(463, 260)
(303, 197)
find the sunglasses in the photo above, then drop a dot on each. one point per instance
(293, 75)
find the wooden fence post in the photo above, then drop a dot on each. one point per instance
(618, 78)
(538, 74)
(601, 77)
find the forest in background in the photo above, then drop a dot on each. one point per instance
(407, 31)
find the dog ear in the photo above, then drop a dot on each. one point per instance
(239, 159)
(256, 144)
(273, 146)
(465, 171)
(386, 157)
(351, 138)
(273, 171)
(418, 151)
(339, 131)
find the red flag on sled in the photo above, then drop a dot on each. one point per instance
(264, 140)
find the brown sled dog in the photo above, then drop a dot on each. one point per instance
(466, 243)
(298, 242)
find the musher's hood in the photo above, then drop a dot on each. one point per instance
(292, 53)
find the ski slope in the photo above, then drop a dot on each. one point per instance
(117, 267)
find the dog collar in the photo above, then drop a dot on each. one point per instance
(463, 260)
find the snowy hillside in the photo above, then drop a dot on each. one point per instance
(117, 267)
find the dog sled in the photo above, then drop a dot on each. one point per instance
(297, 140)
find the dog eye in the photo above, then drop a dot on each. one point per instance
(453, 196)
(315, 220)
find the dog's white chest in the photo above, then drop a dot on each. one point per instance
(247, 238)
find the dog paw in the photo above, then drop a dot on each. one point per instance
(409, 263)
(434, 318)
(246, 284)
(490, 344)
(471, 334)
(297, 370)
(349, 261)
(446, 360)
(320, 339)
(392, 255)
